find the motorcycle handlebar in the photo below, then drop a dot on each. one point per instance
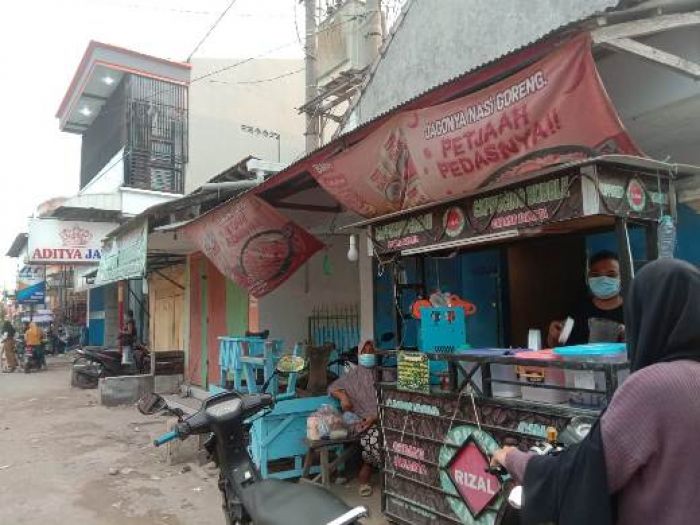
(168, 436)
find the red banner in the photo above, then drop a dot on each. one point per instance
(252, 244)
(554, 111)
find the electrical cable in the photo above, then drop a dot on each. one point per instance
(260, 81)
(228, 67)
(211, 29)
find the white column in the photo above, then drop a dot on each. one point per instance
(366, 289)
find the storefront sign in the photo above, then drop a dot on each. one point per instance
(124, 256)
(31, 285)
(638, 196)
(548, 199)
(468, 472)
(418, 408)
(73, 242)
(252, 244)
(413, 372)
(555, 110)
(463, 461)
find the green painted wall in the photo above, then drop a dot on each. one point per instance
(236, 309)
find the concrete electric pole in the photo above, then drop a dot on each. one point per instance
(311, 50)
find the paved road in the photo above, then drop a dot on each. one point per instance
(59, 450)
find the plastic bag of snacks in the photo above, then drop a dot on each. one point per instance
(328, 423)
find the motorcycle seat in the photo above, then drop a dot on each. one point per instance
(276, 502)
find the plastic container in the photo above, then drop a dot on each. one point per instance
(666, 235)
(594, 352)
(603, 330)
(541, 376)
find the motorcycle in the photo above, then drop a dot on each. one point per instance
(91, 364)
(32, 359)
(575, 432)
(247, 498)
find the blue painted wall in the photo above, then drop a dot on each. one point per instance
(688, 236)
(474, 276)
(96, 315)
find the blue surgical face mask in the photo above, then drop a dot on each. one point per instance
(367, 360)
(604, 287)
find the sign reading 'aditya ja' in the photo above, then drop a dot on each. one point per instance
(57, 241)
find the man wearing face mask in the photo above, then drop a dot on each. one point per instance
(605, 301)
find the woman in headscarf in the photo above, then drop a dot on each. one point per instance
(356, 393)
(8, 346)
(637, 465)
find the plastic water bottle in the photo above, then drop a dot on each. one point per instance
(666, 237)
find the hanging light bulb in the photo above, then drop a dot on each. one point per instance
(353, 254)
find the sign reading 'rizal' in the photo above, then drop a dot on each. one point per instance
(73, 242)
(467, 471)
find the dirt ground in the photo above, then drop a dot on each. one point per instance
(66, 459)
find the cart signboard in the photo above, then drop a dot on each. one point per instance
(636, 195)
(413, 372)
(468, 472)
(492, 213)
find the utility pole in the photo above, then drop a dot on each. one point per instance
(311, 51)
(374, 36)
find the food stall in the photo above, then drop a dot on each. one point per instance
(438, 434)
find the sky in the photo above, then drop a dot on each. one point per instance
(41, 44)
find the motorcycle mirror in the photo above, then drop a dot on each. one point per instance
(289, 364)
(515, 498)
(151, 404)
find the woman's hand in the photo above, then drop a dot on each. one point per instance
(366, 423)
(498, 459)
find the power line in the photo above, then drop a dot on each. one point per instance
(262, 80)
(229, 67)
(211, 29)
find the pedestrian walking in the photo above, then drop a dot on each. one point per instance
(8, 346)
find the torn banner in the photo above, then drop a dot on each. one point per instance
(555, 110)
(252, 244)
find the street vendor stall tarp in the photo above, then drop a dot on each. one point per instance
(252, 244)
(553, 111)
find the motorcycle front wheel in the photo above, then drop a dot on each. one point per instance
(233, 510)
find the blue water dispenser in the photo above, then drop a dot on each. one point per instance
(443, 330)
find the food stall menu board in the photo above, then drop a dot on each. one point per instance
(413, 372)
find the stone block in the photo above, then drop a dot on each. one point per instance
(124, 390)
(168, 384)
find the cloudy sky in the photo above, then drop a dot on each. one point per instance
(42, 42)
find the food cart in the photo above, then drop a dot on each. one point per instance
(438, 435)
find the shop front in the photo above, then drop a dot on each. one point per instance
(518, 253)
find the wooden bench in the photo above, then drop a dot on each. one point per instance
(324, 447)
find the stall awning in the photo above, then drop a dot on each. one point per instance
(124, 255)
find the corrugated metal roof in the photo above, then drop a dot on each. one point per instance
(17, 245)
(198, 196)
(460, 37)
